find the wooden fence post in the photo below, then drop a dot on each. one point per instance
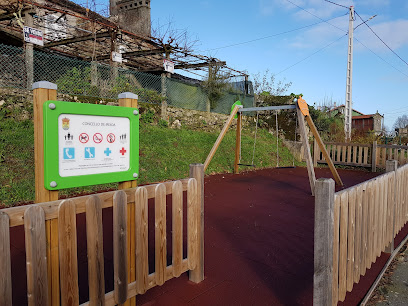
(129, 99)
(238, 143)
(392, 165)
(197, 172)
(42, 92)
(323, 242)
(374, 157)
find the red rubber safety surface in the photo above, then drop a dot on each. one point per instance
(258, 244)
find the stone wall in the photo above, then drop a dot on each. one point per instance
(17, 103)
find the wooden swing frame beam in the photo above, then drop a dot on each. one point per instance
(302, 113)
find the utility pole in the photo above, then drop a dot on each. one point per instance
(348, 108)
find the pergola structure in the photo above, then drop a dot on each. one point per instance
(74, 31)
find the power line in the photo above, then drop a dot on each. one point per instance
(382, 58)
(321, 49)
(382, 41)
(336, 4)
(315, 15)
(273, 35)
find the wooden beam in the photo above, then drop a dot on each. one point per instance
(308, 157)
(322, 147)
(198, 65)
(135, 53)
(221, 136)
(257, 109)
(76, 39)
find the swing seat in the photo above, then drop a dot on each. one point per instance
(247, 165)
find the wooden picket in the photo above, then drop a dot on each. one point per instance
(34, 218)
(362, 155)
(364, 226)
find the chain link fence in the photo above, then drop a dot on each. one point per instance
(92, 79)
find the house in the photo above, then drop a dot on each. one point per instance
(339, 111)
(403, 132)
(360, 122)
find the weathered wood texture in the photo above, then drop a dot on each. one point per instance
(367, 217)
(36, 256)
(120, 271)
(5, 261)
(221, 136)
(197, 172)
(160, 234)
(62, 217)
(68, 264)
(142, 257)
(308, 156)
(41, 95)
(130, 102)
(177, 223)
(363, 155)
(238, 143)
(323, 247)
(94, 234)
(322, 148)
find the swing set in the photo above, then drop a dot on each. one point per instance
(254, 147)
(302, 113)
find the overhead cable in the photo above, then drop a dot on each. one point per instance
(381, 58)
(321, 49)
(383, 41)
(273, 35)
(336, 4)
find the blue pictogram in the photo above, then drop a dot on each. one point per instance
(107, 151)
(89, 152)
(69, 153)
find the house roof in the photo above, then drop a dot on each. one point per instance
(365, 116)
(342, 106)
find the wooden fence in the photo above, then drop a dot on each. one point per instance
(124, 202)
(353, 227)
(363, 155)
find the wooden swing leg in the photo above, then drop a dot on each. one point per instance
(238, 143)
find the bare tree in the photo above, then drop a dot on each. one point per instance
(266, 83)
(216, 84)
(171, 39)
(401, 122)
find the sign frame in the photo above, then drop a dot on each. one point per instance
(168, 65)
(27, 31)
(51, 112)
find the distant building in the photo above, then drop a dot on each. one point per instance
(339, 111)
(360, 122)
(403, 132)
(367, 123)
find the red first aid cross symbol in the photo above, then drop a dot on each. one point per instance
(122, 151)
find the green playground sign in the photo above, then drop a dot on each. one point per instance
(89, 144)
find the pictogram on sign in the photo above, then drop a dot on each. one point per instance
(69, 153)
(107, 151)
(83, 138)
(122, 151)
(110, 138)
(89, 152)
(97, 138)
